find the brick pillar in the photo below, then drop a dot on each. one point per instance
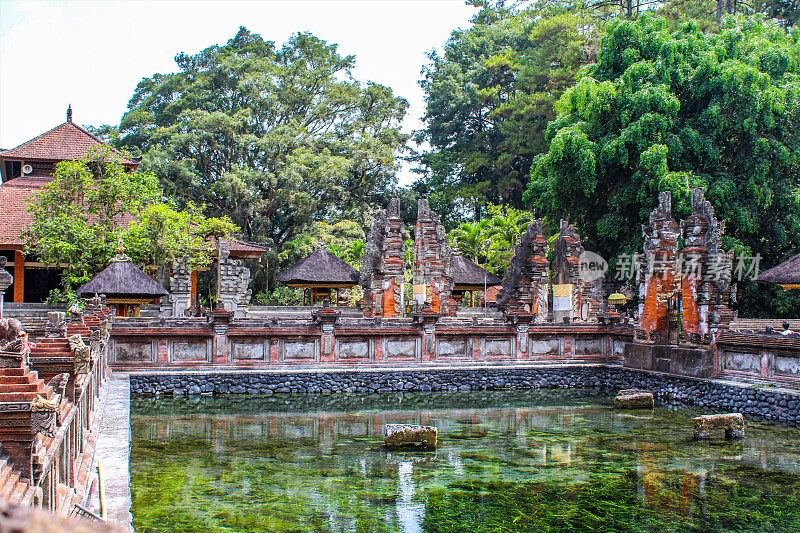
(427, 318)
(193, 288)
(327, 353)
(19, 277)
(523, 341)
(326, 318)
(221, 319)
(274, 351)
(765, 360)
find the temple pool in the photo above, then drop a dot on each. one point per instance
(507, 461)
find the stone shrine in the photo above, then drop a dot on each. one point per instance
(574, 296)
(526, 282)
(383, 265)
(684, 293)
(433, 276)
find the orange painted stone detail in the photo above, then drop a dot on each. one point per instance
(19, 277)
(388, 300)
(436, 301)
(691, 311)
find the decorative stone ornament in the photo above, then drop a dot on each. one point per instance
(56, 327)
(13, 338)
(732, 423)
(403, 435)
(82, 354)
(634, 399)
(59, 386)
(43, 416)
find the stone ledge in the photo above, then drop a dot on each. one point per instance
(770, 404)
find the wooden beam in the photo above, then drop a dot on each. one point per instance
(19, 277)
(193, 297)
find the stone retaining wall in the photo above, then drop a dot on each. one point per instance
(752, 400)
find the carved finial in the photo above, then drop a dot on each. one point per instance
(665, 201)
(120, 257)
(69, 113)
(394, 207)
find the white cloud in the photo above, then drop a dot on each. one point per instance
(92, 54)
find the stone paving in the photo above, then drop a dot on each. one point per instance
(113, 450)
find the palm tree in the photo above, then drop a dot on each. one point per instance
(469, 238)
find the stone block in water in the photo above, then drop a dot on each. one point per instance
(732, 423)
(634, 399)
(401, 435)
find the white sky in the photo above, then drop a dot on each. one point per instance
(93, 53)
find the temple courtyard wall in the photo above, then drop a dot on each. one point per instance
(755, 400)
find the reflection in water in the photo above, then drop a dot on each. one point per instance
(513, 461)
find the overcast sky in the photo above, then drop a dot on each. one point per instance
(93, 53)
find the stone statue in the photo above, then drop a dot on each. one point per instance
(43, 416)
(12, 336)
(56, 325)
(82, 353)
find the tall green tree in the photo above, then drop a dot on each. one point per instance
(275, 137)
(79, 218)
(489, 96)
(490, 242)
(666, 110)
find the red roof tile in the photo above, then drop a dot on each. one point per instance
(242, 249)
(14, 217)
(65, 142)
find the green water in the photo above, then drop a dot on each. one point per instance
(507, 461)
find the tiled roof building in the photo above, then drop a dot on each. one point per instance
(23, 171)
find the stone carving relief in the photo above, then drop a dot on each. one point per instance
(81, 352)
(12, 336)
(383, 265)
(433, 261)
(526, 282)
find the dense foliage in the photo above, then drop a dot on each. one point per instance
(490, 242)
(344, 239)
(274, 137)
(580, 109)
(664, 110)
(489, 96)
(80, 217)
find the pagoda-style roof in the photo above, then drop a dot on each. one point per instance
(787, 273)
(244, 250)
(320, 269)
(467, 274)
(65, 142)
(14, 216)
(123, 279)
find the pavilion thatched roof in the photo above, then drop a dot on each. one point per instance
(123, 279)
(467, 273)
(320, 268)
(787, 273)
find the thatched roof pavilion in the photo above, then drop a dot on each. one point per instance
(787, 274)
(321, 272)
(126, 287)
(467, 276)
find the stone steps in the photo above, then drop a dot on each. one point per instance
(15, 397)
(5, 469)
(27, 378)
(22, 387)
(7, 489)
